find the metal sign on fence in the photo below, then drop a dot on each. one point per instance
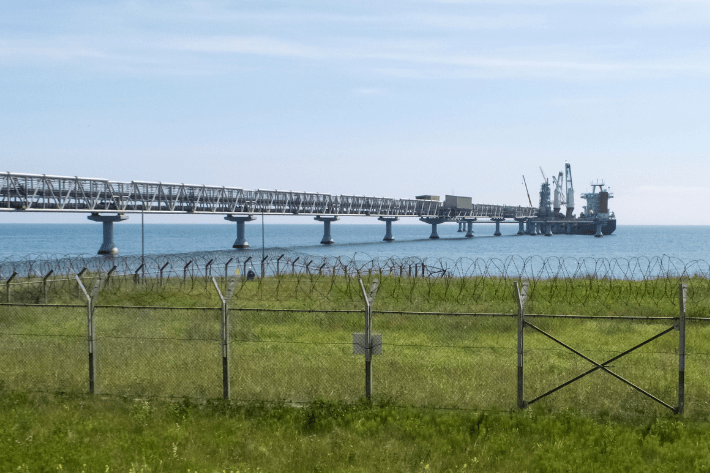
(360, 346)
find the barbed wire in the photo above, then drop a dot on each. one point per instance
(280, 261)
(595, 286)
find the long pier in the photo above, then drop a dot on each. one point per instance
(108, 201)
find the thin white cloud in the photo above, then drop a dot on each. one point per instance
(398, 57)
(582, 101)
(401, 53)
(677, 13)
(421, 39)
(22, 49)
(674, 190)
(500, 21)
(245, 45)
(369, 91)
(521, 3)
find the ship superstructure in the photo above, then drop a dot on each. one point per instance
(597, 202)
(595, 218)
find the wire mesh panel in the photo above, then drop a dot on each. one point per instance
(697, 369)
(43, 348)
(640, 352)
(295, 356)
(158, 352)
(446, 360)
(442, 292)
(292, 333)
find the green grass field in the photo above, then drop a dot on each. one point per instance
(164, 341)
(444, 390)
(41, 433)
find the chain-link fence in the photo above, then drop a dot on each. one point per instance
(440, 341)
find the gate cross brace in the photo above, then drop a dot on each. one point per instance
(602, 366)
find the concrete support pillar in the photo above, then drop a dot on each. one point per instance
(434, 233)
(538, 228)
(388, 227)
(241, 241)
(461, 225)
(521, 227)
(497, 221)
(433, 222)
(327, 239)
(107, 247)
(599, 233)
(469, 231)
(548, 229)
(533, 228)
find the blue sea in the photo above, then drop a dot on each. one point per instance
(685, 243)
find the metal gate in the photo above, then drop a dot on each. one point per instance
(677, 324)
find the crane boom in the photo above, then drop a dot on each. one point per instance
(559, 198)
(569, 190)
(526, 191)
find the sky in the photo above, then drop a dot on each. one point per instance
(382, 98)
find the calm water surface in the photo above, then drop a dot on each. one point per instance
(686, 243)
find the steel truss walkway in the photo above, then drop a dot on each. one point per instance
(43, 193)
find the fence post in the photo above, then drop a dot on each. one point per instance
(80, 274)
(44, 285)
(162, 268)
(91, 329)
(184, 270)
(278, 265)
(226, 385)
(682, 294)
(226, 268)
(521, 294)
(7, 286)
(293, 265)
(369, 299)
(263, 267)
(135, 275)
(108, 275)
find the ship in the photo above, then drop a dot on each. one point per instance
(595, 218)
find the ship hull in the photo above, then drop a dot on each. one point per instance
(582, 227)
